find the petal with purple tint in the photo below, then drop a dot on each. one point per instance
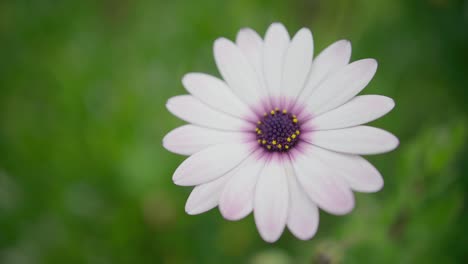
(340, 87)
(360, 175)
(271, 201)
(236, 70)
(204, 197)
(251, 44)
(303, 216)
(275, 46)
(363, 140)
(190, 109)
(236, 200)
(216, 94)
(210, 163)
(329, 191)
(189, 139)
(331, 59)
(297, 61)
(360, 110)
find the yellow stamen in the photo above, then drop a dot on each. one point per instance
(259, 141)
(273, 142)
(284, 111)
(272, 112)
(268, 147)
(298, 132)
(293, 136)
(279, 146)
(295, 120)
(288, 139)
(259, 132)
(263, 142)
(286, 147)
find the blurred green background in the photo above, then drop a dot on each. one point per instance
(83, 175)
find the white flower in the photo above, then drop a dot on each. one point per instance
(282, 134)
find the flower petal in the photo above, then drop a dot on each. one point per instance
(216, 94)
(275, 46)
(189, 139)
(205, 197)
(360, 110)
(190, 109)
(236, 200)
(331, 59)
(362, 140)
(236, 71)
(341, 86)
(210, 163)
(360, 175)
(329, 192)
(303, 216)
(271, 201)
(251, 44)
(297, 63)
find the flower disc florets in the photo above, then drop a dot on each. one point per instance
(278, 131)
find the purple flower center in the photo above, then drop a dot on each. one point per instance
(278, 131)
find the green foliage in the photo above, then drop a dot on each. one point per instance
(83, 175)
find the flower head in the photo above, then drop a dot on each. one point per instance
(281, 135)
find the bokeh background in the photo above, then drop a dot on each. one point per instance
(83, 175)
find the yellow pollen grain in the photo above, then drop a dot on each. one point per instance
(259, 132)
(256, 129)
(263, 142)
(279, 146)
(272, 112)
(268, 147)
(259, 141)
(295, 120)
(286, 147)
(293, 136)
(273, 142)
(288, 139)
(284, 111)
(298, 132)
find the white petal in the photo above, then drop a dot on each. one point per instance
(360, 110)
(360, 175)
(297, 63)
(340, 87)
(190, 109)
(251, 44)
(237, 71)
(303, 217)
(331, 59)
(275, 46)
(205, 197)
(324, 187)
(215, 93)
(210, 163)
(271, 201)
(236, 200)
(354, 140)
(189, 139)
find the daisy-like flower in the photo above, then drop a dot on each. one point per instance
(281, 135)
